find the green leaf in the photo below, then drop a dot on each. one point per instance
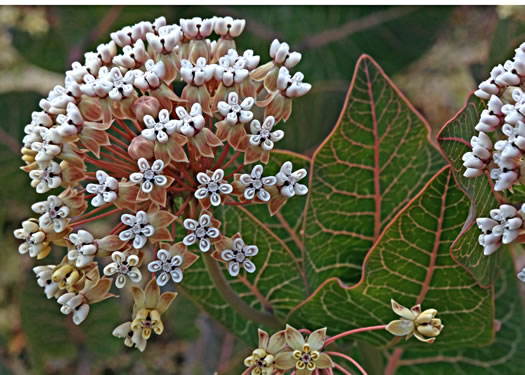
(46, 329)
(375, 160)
(503, 356)
(276, 285)
(410, 263)
(454, 140)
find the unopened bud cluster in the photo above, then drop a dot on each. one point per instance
(120, 136)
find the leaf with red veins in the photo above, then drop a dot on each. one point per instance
(454, 140)
(503, 356)
(411, 264)
(376, 159)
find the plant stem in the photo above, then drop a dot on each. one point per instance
(233, 299)
(349, 359)
(357, 330)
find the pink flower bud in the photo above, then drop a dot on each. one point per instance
(146, 105)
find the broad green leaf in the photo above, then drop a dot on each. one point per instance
(454, 140)
(375, 160)
(503, 356)
(46, 329)
(276, 285)
(410, 263)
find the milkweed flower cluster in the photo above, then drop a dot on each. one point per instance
(156, 128)
(499, 147)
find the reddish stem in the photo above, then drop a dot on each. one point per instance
(88, 214)
(351, 332)
(349, 359)
(232, 160)
(75, 224)
(222, 157)
(340, 368)
(239, 168)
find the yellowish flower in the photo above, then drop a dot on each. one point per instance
(149, 306)
(305, 356)
(262, 358)
(423, 325)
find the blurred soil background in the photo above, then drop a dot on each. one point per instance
(434, 54)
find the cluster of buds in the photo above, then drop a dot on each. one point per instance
(121, 137)
(499, 148)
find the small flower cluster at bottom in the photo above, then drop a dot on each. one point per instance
(288, 350)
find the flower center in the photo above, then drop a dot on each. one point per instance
(239, 257)
(264, 133)
(213, 187)
(137, 228)
(306, 357)
(257, 184)
(200, 232)
(149, 174)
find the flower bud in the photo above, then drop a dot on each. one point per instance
(146, 105)
(140, 147)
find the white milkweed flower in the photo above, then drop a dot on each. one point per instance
(238, 256)
(196, 27)
(74, 303)
(122, 85)
(167, 39)
(44, 279)
(255, 183)
(509, 77)
(34, 238)
(60, 96)
(491, 118)
(514, 145)
(287, 180)
(149, 177)
(124, 266)
(168, 266)
(200, 231)
(77, 72)
(97, 87)
(250, 59)
(159, 130)
(506, 174)
(235, 112)
(521, 275)
(139, 230)
(46, 177)
(230, 72)
(212, 186)
(502, 227)
(514, 112)
(105, 190)
(198, 74)
(132, 57)
(49, 147)
(70, 123)
(54, 214)
(189, 123)
(476, 160)
(281, 55)
(490, 87)
(290, 86)
(262, 135)
(84, 248)
(152, 77)
(227, 27)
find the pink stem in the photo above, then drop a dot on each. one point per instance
(353, 361)
(247, 371)
(340, 368)
(357, 330)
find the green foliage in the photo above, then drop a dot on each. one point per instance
(500, 357)
(410, 263)
(375, 160)
(454, 140)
